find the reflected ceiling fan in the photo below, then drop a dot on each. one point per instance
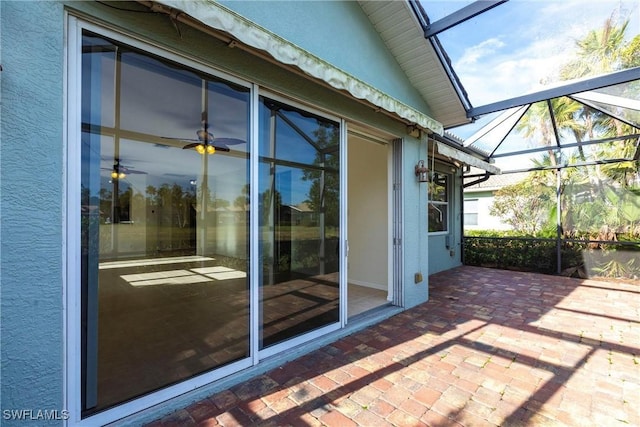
(120, 171)
(207, 143)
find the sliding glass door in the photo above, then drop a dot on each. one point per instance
(165, 284)
(168, 288)
(299, 212)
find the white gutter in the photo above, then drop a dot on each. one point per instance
(467, 159)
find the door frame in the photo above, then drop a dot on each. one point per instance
(254, 215)
(394, 209)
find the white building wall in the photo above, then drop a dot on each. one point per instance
(486, 221)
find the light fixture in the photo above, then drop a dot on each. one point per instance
(205, 148)
(422, 172)
(206, 142)
(116, 172)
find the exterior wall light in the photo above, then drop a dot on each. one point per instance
(422, 172)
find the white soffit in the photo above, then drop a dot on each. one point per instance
(467, 159)
(399, 28)
(218, 17)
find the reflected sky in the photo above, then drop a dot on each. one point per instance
(161, 106)
(147, 110)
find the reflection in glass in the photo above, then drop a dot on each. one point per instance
(164, 229)
(299, 222)
(619, 100)
(438, 202)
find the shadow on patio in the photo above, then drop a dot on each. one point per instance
(491, 347)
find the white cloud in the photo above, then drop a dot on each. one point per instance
(507, 76)
(514, 57)
(472, 54)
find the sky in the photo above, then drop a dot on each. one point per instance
(511, 49)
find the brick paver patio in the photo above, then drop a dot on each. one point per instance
(490, 348)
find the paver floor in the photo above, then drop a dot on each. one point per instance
(490, 348)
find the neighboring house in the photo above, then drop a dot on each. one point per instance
(300, 214)
(160, 113)
(478, 199)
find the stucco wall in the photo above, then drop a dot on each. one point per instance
(339, 32)
(415, 241)
(31, 169)
(32, 172)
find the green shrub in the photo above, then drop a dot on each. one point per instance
(507, 250)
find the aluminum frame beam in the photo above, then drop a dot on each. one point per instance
(603, 98)
(458, 17)
(562, 147)
(618, 77)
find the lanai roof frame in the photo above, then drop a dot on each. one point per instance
(581, 91)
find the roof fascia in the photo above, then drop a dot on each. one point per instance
(423, 20)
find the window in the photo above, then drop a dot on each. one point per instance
(471, 212)
(439, 203)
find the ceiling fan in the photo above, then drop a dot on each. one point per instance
(120, 171)
(207, 143)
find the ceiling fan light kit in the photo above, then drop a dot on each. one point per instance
(118, 175)
(202, 148)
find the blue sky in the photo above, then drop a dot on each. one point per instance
(515, 48)
(510, 49)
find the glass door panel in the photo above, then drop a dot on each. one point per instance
(165, 277)
(299, 222)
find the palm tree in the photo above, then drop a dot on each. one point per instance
(536, 124)
(599, 52)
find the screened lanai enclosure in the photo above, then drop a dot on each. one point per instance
(562, 112)
(576, 210)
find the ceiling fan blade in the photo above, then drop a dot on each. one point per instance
(228, 141)
(179, 139)
(221, 148)
(186, 147)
